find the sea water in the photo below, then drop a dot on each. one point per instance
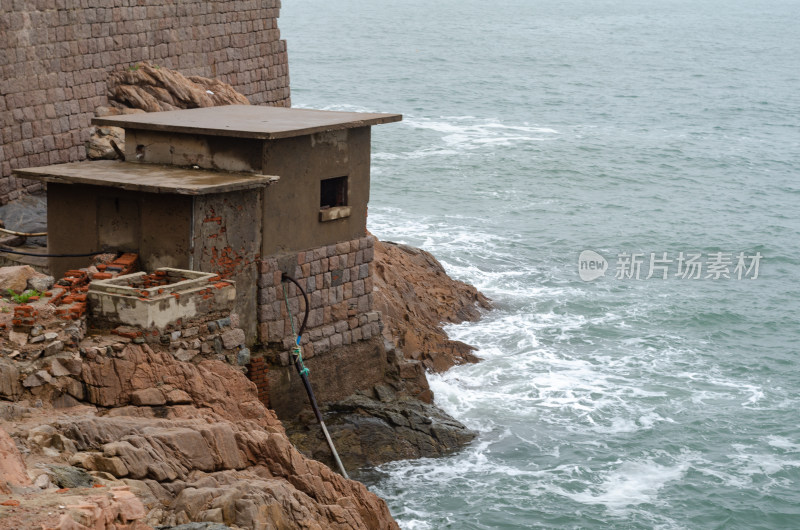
(663, 138)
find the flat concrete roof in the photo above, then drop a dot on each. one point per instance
(247, 121)
(152, 178)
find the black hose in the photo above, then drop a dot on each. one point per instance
(285, 276)
(303, 372)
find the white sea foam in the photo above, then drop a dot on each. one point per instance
(459, 135)
(751, 461)
(756, 394)
(471, 126)
(343, 107)
(783, 443)
(552, 372)
(631, 483)
(416, 154)
(463, 132)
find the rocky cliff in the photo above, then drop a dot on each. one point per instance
(415, 296)
(111, 432)
(192, 442)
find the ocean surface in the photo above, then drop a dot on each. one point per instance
(664, 138)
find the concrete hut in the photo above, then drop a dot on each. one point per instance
(247, 193)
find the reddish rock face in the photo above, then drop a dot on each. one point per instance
(416, 296)
(12, 467)
(194, 442)
(212, 452)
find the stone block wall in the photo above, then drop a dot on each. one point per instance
(55, 56)
(338, 281)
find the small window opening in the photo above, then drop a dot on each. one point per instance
(333, 192)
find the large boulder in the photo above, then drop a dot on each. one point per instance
(370, 432)
(152, 88)
(149, 88)
(16, 278)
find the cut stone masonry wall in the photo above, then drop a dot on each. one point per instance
(213, 335)
(55, 57)
(338, 280)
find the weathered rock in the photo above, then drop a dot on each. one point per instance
(219, 439)
(74, 366)
(178, 397)
(233, 338)
(38, 379)
(111, 465)
(289, 488)
(154, 89)
(41, 283)
(201, 526)
(370, 432)
(152, 397)
(121, 510)
(19, 339)
(99, 146)
(111, 381)
(65, 401)
(70, 477)
(415, 296)
(58, 370)
(12, 466)
(10, 387)
(43, 481)
(53, 348)
(185, 355)
(45, 438)
(16, 278)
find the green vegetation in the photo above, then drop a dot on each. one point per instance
(24, 297)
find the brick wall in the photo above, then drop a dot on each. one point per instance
(338, 281)
(55, 56)
(257, 373)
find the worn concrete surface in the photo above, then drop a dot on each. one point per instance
(226, 239)
(150, 178)
(210, 152)
(246, 121)
(291, 208)
(83, 218)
